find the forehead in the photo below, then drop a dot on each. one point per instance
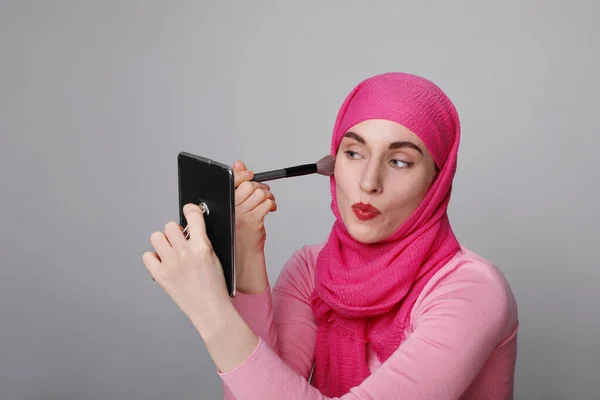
(383, 132)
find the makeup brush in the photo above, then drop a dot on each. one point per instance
(324, 166)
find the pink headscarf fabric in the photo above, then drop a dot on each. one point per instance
(365, 292)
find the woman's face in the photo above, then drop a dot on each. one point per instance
(382, 174)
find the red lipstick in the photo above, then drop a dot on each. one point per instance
(365, 212)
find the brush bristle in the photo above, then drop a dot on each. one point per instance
(326, 165)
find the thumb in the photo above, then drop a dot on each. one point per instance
(239, 166)
(241, 174)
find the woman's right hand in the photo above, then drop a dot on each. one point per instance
(253, 201)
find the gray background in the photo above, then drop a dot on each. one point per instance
(97, 98)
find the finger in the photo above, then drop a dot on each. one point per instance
(255, 200)
(174, 234)
(161, 246)
(152, 262)
(264, 208)
(240, 177)
(196, 225)
(245, 190)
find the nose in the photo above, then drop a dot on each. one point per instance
(370, 181)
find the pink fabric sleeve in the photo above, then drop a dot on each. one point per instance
(284, 319)
(257, 311)
(458, 323)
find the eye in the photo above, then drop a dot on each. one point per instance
(352, 154)
(401, 164)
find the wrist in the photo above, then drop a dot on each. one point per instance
(252, 273)
(229, 340)
(249, 256)
(211, 325)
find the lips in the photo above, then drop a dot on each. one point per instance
(365, 212)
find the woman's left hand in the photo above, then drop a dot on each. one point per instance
(190, 272)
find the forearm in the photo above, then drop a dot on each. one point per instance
(253, 301)
(228, 339)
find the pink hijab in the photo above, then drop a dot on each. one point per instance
(364, 293)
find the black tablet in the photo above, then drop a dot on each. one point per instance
(209, 183)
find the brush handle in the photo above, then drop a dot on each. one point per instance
(269, 176)
(286, 172)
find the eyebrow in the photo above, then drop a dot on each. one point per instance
(393, 145)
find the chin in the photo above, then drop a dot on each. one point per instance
(365, 234)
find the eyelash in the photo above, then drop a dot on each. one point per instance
(407, 164)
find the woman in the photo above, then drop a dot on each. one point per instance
(392, 306)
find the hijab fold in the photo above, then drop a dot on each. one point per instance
(364, 293)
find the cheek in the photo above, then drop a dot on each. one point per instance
(343, 181)
(341, 190)
(406, 197)
(344, 189)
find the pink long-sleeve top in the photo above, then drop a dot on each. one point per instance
(461, 342)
